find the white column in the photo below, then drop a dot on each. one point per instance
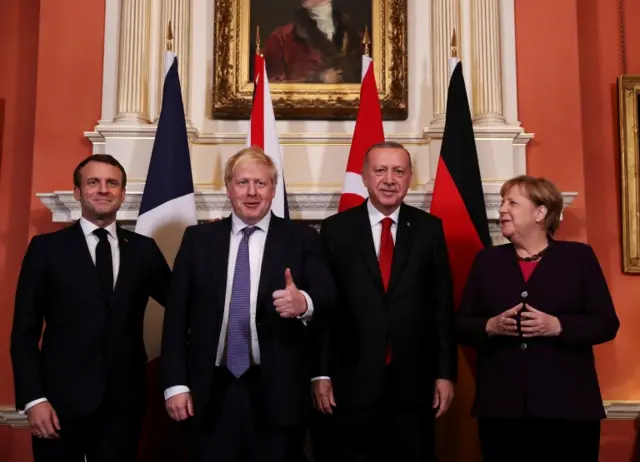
(179, 13)
(133, 70)
(486, 62)
(445, 17)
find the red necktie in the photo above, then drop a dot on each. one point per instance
(384, 260)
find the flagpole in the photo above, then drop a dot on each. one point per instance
(453, 60)
(168, 53)
(258, 40)
(169, 43)
(366, 41)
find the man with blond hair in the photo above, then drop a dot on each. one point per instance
(235, 345)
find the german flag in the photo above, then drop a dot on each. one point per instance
(458, 198)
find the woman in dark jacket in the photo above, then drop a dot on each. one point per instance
(533, 309)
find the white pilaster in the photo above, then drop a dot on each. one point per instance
(445, 18)
(486, 62)
(133, 72)
(179, 13)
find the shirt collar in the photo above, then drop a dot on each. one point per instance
(376, 216)
(88, 228)
(237, 225)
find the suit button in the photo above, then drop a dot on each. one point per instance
(524, 294)
(523, 346)
(258, 324)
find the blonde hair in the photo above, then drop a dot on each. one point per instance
(251, 154)
(541, 192)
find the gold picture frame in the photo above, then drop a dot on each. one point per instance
(233, 87)
(628, 108)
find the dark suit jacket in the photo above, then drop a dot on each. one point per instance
(415, 315)
(196, 307)
(90, 348)
(546, 377)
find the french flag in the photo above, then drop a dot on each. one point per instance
(367, 132)
(167, 208)
(168, 201)
(264, 135)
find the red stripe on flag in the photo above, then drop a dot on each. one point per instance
(257, 112)
(349, 200)
(462, 238)
(367, 132)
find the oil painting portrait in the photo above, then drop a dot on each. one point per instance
(312, 41)
(313, 53)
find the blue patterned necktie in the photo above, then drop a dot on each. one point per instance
(239, 310)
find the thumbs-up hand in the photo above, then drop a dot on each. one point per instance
(289, 302)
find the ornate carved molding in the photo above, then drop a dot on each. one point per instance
(622, 410)
(11, 418)
(307, 138)
(484, 133)
(134, 132)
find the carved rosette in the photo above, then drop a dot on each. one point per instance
(486, 61)
(133, 72)
(445, 18)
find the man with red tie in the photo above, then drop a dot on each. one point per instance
(386, 361)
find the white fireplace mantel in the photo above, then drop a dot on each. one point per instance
(311, 206)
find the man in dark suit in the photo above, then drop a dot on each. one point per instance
(83, 389)
(387, 358)
(236, 333)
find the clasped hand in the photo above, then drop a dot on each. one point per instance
(289, 302)
(534, 323)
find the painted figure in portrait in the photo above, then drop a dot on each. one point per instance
(313, 53)
(313, 41)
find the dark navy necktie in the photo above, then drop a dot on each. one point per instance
(238, 339)
(104, 261)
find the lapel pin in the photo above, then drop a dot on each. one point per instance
(125, 239)
(408, 224)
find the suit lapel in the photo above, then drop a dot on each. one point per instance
(80, 258)
(364, 239)
(218, 256)
(273, 248)
(403, 245)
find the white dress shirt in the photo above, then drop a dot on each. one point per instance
(375, 219)
(92, 242)
(256, 252)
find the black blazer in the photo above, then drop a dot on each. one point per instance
(90, 348)
(415, 315)
(196, 307)
(546, 377)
